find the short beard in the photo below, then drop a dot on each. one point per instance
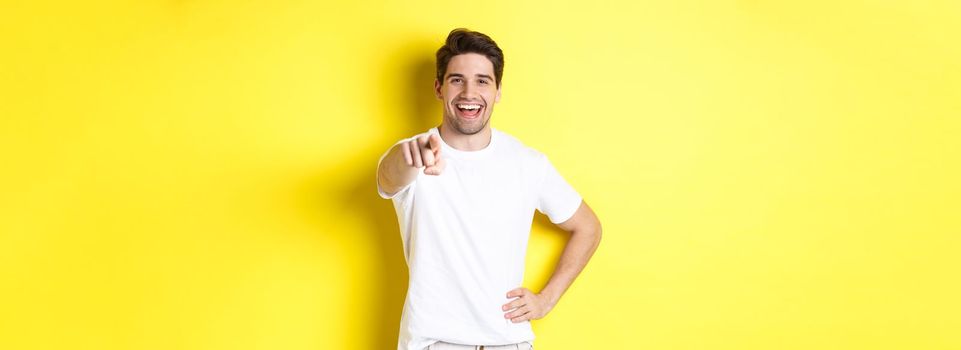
(464, 129)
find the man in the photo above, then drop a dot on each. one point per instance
(465, 195)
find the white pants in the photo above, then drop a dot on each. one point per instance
(451, 346)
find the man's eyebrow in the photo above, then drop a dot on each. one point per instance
(451, 75)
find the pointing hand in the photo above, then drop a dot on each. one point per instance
(424, 152)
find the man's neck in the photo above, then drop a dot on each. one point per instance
(462, 142)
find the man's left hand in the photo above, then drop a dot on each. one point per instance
(528, 305)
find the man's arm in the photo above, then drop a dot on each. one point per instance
(585, 231)
(399, 167)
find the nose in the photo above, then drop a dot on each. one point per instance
(469, 91)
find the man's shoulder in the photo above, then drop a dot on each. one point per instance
(515, 146)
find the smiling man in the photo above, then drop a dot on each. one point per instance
(465, 195)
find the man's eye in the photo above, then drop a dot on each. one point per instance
(455, 80)
(482, 81)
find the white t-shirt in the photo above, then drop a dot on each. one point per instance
(465, 235)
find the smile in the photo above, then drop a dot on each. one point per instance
(468, 110)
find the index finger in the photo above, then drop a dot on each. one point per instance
(434, 142)
(516, 292)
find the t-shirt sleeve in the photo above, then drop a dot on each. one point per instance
(380, 191)
(556, 198)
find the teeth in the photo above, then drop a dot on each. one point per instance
(468, 106)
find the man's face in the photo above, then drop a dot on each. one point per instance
(469, 92)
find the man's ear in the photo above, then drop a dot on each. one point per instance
(497, 98)
(437, 90)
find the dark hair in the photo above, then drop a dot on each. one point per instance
(461, 41)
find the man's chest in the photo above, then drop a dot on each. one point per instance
(480, 191)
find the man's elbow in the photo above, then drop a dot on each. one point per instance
(597, 232)
(592, 229)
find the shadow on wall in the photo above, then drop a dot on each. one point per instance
(412, 81)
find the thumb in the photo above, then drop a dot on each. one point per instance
(437, 168)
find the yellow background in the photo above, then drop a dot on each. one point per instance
(200, 174)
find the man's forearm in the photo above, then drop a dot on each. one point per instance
(394, 173)
(578, 251)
